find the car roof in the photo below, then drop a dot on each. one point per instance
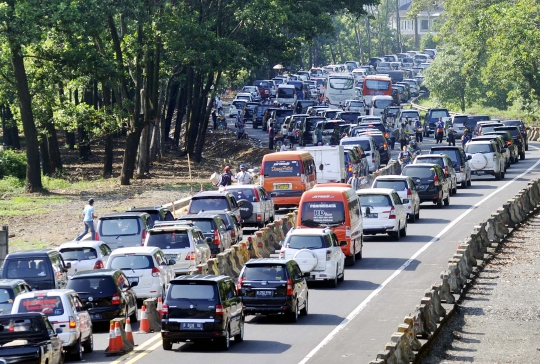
(430, 155)
(199, 216)
(267, 260)
(423, 165)
(209, 194)
(146, 209)
(373, 191)
(95, 273)
(11, 282)
(242, 187)
(135, 250)
(46, 293)
(82, 243)
(309, 231)
(448, 147)
(124, 214)
(31, 253)
(200, 277)
(480, 141)
(391, 177)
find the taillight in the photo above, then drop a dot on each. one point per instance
(392, 213)
(190, 256)
(99, 265)
(289, 287)
(409, 194)
(328, 255)
(143, 237)
(350, 167)
(282, 254)
(72, 322)
(96, 236)
(155, 272)
(385, 146)
(217, 241)
(115, 299)
(239, 284)
(256, 193)
(219, 310)
(165, 309)
(508, 143)
(436, 180)
(233, 233)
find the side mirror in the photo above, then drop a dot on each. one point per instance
(406, 200)
(133, 284)
(68, 265)
(171, 262)
(342, 243)
(209, 240)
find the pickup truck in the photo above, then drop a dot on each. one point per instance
(29, 338)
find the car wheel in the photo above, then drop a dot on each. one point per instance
(167, 345)
(350, 260)
(469, 183)
(294, 314)
(225, 343)
(133, 317)
(404, 230)
(88, 345)
(412, 217)
(334, 282)
(238, 338)
(502, 174)
(77, 351)
(522, 155)
(418, 213)
(464, 184)
(358, 256)
(305, 311)
(498, 175)
(454, 190)
(526, 147)
(396, 234)
(447, 200)
(439, 203)
(62, 358)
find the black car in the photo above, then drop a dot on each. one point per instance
(106, 293)
(472, 120)
(9, 289)
(202, 308)
(430, 182)
(158, 213)
(258, 115)
(518, 138)
(509, 140)
(306, 129)
(349, 116)
(249, 111)
(213, 227)
(522, 128)
(300, 106)
(273, 286)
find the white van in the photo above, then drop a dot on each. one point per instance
(330, 162)
(379, 103)
(286, 94)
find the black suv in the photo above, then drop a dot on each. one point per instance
(202, 308)
(213, 227)
(273, 286)
(214, 200)
(518, 138)
(9, 289)
(106, 293)
(157, 213)
(430, 182)
(522, 128)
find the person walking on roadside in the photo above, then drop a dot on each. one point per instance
(355, 181)
(402, 136)
(219, 105)
(88, 220)
(451, 136)
(214, 119)
(271, 135)
(225, 179)
(243, 177)
(418, 129)
(465, 138)
(439, 132)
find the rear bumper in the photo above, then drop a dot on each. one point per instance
(106, 314)
(252, 308)
(286, 198)
(148, 291)
(372, 230)
(181, 336)
(482, 172)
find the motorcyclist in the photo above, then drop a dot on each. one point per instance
(240, 131)
(413, 148)
(404, 157)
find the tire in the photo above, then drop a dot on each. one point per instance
(166, 344)
(225, 342)
(464, 184)
(76, 352)
(62, 358)
(334, 282)
(447, 200)
(305, 310)
(469, 183)
(133, 317)
(522, 155)
(357, 256)
(395, 234)
(238, 338)
(503, 174)
(350, 260)
(295, 314)
(527, 147)
(498, 176)
(439, 203)
(454, 190)
(246, 210)
(88, 345)
(404, 230)
(412, 217)
(418, 213)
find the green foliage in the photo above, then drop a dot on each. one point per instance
(10, 186)
(12, 164)
(429, 41)
(28, 205)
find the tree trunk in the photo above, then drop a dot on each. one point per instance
(155, 144)
(33, 170)
(172, 102)
(130, 154)
(108, 158)
(202, 131)
(359, 40)
(180, 111)
(416, 35)
(368, 33)
(398, 29)
(44, 155)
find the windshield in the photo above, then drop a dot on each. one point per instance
(364, 143)
(78, 253)
(282, 168)
(393, 184)
(26, 268)
(323, 213)
(375, 200)
(439, 114)
(341, 83)
(208, 204)
(418, 172)
(430, 160)
(286, 92)
(478, 148)
(266, 272)
(305, 242)
(350, 116)
(192, 291)
(131, 261)
(168, 239)
(377, 85)
(381, 104)
(50, 306)
(120, 226)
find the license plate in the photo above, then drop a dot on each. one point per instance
(133, 279)
(171, 256)
(371, 216)
(264, 293)
(192, 326)
(282, 186)
(479, 172)
(95, 316)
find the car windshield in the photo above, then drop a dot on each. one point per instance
(93, 286)
(364, 143)
(26, 268)
(305, 242)
(418, 172)
(242, 193)
(282, 168)
(513, 131)
(375, 200)
(119, 226)
(472, 148)
(264, 272)
(430, 160)
(50, 306)
(322, 213)
(341, 83)
(206, 225)
(78, 253)
(377, 85)
(453, 154)
(381, 104)
(285, 92)
(439, 114)
(192, 291)
(131, 261)
(207, 204)
(512, 122)
(393, 184)
(168, 239)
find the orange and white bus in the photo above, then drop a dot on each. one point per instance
(287, 175)
(376, 85)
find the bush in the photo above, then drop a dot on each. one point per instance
(12, 164)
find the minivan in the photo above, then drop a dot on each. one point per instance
(286, 94)
(123, 229)
(41, 269)
(334, 205)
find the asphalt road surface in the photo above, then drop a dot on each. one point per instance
(352, 323)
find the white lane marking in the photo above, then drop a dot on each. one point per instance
(363, 304)
(139, 348)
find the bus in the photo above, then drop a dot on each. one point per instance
(339, 88)
(376, 85)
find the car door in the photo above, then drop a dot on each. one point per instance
(337, 253)
(299, 282)
(59, 270)
(398, 205)
(85, 323)
(414, 191)
(232, 303)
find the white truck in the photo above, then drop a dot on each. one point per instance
(329, 161)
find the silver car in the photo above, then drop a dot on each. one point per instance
(123, 229)
(257, 208)
(406, 189)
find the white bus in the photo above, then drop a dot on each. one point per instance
(286, 94)
(339, 88)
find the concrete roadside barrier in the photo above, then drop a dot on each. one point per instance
(152, 314)
(231, 261)
(284, 227)
(424, 326)
(409, 328)
(271, 237)
(237, 259)
(278, 230)
(213, 267)
(261, 244)
(253, 249)
(453, 273)
(444, 293)
(401, 351)
(223, 264)
(244, 251)
(430, 315)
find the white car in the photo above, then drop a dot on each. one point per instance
(254, 91)
(486, 158)
(383, 212)
(237, 105)
(355, 106)
(413, 115)
(85, 255)
(406, 189)
(368, 145)
(147, 266)
(317, 252)
(244, 96)
(66, 313)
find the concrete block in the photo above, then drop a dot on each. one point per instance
(444, 293)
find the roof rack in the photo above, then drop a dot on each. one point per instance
(159, 224)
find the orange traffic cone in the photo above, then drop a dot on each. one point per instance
(118, 334)
(129, 332)
(144, 325)
(112, 340)
(160, 307)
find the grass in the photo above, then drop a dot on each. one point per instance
(196, 186)
(28, 205)
(11, 186)
(18, 245)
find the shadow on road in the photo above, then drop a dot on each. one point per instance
(372, 263)
(246, 347)
(317, 319)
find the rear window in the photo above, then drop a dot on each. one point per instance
(460, 120)
(350, 116)
(396, 185)
(285, 92)
(206, 226)
(331, 125)
(28, 325)
(208, 204)
(120, 226)
(513, 131)
(239, 104)
(50, 306)
(512, 122)
(381, 104)
(132, 261)
(356, 104)
(431, 160)
(78, 253)
(26, 268)
(323, 213)
(305, 242)
(364, 143)
(478, 148)
(265, 272)
(93, 286)
(192, 291)
(242, 193)
(487, 129)
(418, 172)
(168, 239)
(375, 200)
(282, 168)
(439, 114)
(451, 153)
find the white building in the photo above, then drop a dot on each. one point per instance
(425, 19)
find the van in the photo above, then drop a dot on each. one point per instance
(334, 205)
(379, 103)
(287, 175)
(41, 269)
(286, 94)
(123, 229)
(299, 86)
(329, 161)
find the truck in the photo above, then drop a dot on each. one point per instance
(329, 161)
(29, 338)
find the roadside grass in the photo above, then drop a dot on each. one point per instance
(28, 205)
(207, 186)
(18, 245)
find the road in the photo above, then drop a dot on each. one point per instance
(353, 322)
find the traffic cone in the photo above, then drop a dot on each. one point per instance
(112, 340)
(144, 326)
(129, 332)
(119, 339)
(160, 307)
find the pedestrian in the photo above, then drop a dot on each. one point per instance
(439, 132)
(225, 179)
(88, 220)
(409, 127)
(402, 136)
(355, 181)
(465, 138)
(319, 135)
(451, 137)
(395, 136)
(214, 119)
(419, 131)
(271, 135)
(244, 177)
(219, 105)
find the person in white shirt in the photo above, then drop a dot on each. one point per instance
(244, 177)
(355, 181)
(219, 105)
